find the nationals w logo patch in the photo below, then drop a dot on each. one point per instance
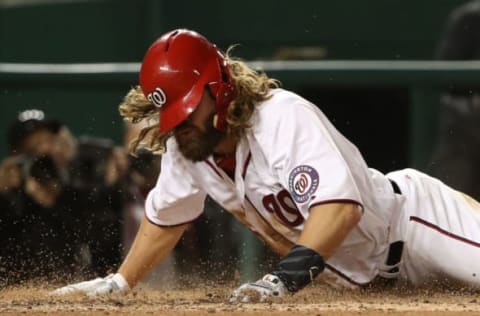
(303, 181)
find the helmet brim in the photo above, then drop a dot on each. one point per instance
(180, 109)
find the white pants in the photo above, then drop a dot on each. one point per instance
(441, 231)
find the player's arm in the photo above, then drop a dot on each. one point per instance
(152, 244)
(324, 231)
(327, 226)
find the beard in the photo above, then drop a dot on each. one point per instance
(195, 144)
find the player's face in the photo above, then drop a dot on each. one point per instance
(196, 137)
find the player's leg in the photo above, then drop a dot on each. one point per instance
(442, 231)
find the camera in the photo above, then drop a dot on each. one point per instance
(42, 168)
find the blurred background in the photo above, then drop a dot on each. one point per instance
(103, 31)
(366, 64)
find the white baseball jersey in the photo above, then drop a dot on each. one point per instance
(291, 159)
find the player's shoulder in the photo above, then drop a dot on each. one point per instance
(282, 104)
(172, 154)
(281, 99)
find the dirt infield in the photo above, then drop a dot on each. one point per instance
(316, 301)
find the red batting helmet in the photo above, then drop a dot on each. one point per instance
(175, 71)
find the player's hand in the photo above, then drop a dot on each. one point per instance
(112, 284)
(264, 289)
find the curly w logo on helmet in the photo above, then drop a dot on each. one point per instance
(157, 97)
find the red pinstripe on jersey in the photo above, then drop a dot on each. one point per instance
(443, 231)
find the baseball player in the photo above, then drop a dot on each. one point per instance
(273, 160)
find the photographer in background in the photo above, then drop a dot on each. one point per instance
(61, 201)
(31, 184)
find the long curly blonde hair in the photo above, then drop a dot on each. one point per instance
(251, 88)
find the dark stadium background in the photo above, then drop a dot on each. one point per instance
(377, 118)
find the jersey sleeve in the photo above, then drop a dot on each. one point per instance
(176, 199)
(303, 151)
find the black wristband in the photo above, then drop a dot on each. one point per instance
(299, 268)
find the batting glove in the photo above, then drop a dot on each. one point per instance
(112, 284)
(264, 289)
